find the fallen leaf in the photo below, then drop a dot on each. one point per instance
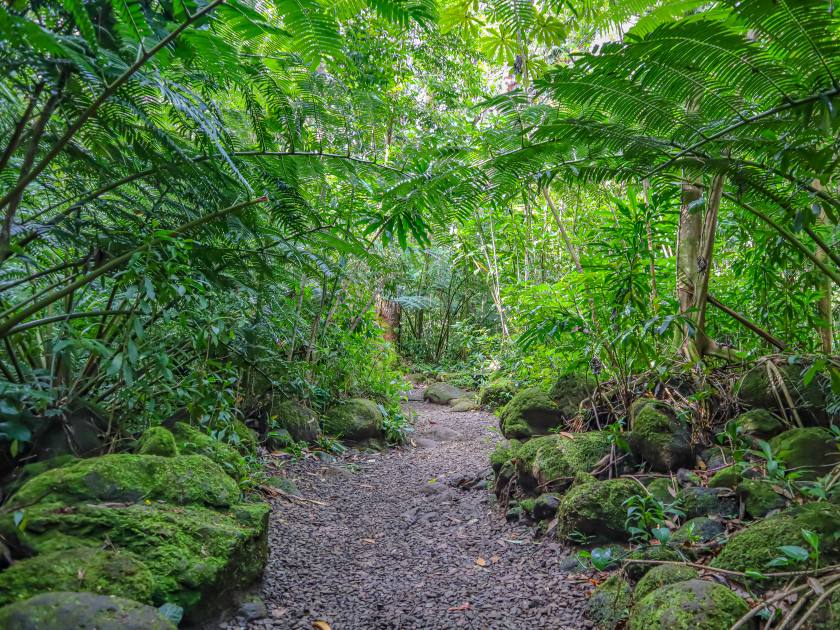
(370, 541)
(566, 434)
(481, 562)
(278, 612)
(319, 624)
(816, 586)
(494, 559)
(464, 606)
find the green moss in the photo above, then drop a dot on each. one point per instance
(503, 453)
(569, 392)
(240, 436)
(755, 391)
(130, 478)
(29, 471)
(707, 501)
(811, 452)
(663, 575)
(660, 488)
(759, 422)
(757, 544)
(64, 610)
(530, 412)
(528, 505)
(689, 605)
(759, 497)
(658, 437)
(496, 393)
(157, 441)
(558, 458)
(442, 393)
(728, 477)
(354, 420)
(610, 603)
(596, 509)
(192, 441)
(82, 569)
(635, 571)
(300, 422)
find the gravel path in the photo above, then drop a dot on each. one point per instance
(395, 540)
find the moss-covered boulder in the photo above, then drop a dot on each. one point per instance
(157, 441)
(700, 529)
(663, 575)
(130, 478)
(658, 437)
(688, 605)
(759, 497)
(83, 569)
(699, 501)
(461, 405)
(355, 420)
(569, 392)
(812, 452)
(531, 412)
(609, 605)
(717, 457)
(663, 489)
(192, 441)
(301, 422)
(596, 509)
(74, 611)
(757, 544)
(442, 393)
(728, 477)
(756, 390)
(759, 423)
(239, 435)
(553, 461)
(496, 393)
(659, 553)
(546, 506)
(32, 470)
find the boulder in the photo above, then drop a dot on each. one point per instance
(442, 393)
(76, 611)
(299, 421)
(596, 509)
(569, 392)
(759, 497)
(759, 423)
(554, 460)
(708, 502)
(700, 529)
(460, 405)
(192, 441)
(354, 421)
(663, 489)
(755, 390)
(157, 441)
(531, 412)
(660, 553)
(658, 437)
(663, 575)
(609, 604)
(496, 393)
(688, 605)
(545, 506)
(717, 457)
(728, 477)
(757, 544)
(811, 452)
(239, 435)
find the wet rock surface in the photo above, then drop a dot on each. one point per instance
(411, 538)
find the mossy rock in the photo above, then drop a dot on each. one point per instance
(32, 470)
(728, 477)
(84, 569)
(157, 441)
(688, 605)
(597, 509)
(503, 454)
(701, 528)
(129, 478)
(717, 457)
(496, 393)
(240, 436)
(708, 502)
(192, 441)
(757, 544)
(68, 611)
(759, 423)
(660, 553)
(759, 498)
(461, 405)
(554, 460)
(662, 489)
(442, 393)
(658, 438)
(531, 412)
(663, 575)
(569, 392)
(355, 420)
(301, 422)
(546, 506)
(195, 554)
(812, 452)
(755, 391)
(609, 605)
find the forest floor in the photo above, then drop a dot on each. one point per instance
(410, 538)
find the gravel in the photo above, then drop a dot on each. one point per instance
(396, 540)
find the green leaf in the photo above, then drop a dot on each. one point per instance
(794, 552)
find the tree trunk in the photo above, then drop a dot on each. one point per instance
(389, 314)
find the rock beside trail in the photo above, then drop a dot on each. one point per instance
(609, 604)
(72, 611)
(442, 393)
(460, 405)
(759, 497)
(569, 391)
(192, 441)
(658, 437)
(301, 422)
(663, 575)
(596, 509)
(700, 529)
(699, 501)
(355, 421)
(530, 412)
(496, 393)
(158, 441)
(812, 451)
(688, 605)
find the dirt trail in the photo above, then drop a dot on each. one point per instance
(395, 541)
